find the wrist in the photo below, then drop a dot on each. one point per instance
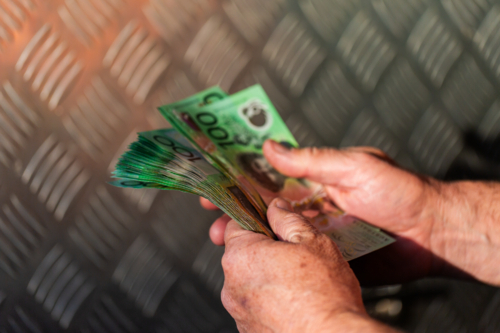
(465, 233)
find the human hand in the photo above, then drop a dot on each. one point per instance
(443, 229)
(365, 183)
(298, 284)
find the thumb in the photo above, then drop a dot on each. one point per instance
(289, 226)
(322, 165)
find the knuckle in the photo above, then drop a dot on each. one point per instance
(228, 261)
(299, 229)
(233, 259)
(230, 302)
(227, 300)
(289, 218)
(297, 237)
(224, 296)
(309, 236)
(312, 152)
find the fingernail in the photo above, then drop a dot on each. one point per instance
(283, 204)
(280, 148)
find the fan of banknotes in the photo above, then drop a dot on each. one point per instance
(214, 150)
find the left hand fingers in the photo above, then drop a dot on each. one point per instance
(218, 229)
(205, 203)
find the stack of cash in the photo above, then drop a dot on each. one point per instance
(214, 150)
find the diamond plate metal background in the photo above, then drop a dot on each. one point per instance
(78, 78)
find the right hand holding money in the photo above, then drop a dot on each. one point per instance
(366, 184)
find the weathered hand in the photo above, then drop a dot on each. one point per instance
(365, 183)
(298, 284)
(448, 229)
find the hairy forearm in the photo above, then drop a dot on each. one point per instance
(466, 231)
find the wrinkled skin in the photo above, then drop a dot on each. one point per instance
(364, 182)
(301, 283)
(306, 287)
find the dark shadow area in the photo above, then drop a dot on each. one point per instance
(414, 298)
(423, 293)
(479, 160)
(401, 262)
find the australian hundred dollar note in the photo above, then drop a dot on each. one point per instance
(200, 141)
(231, 131)
(166, 160)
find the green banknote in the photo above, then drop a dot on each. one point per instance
(215, 151)
(237, 127)
(233, 130)
(181, 121)
(162, 159)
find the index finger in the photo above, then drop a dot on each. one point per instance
(237, 236)
(322, 165)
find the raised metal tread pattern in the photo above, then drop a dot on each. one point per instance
(419, 79)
